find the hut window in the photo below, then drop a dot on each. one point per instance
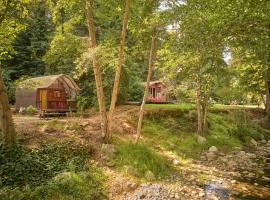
(57, 94)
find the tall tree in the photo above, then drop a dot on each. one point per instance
(6, 121)
(31, 43)
(118, 69)
(96, 68)
(151, 63)
(11, 13)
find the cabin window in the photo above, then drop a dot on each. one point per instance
(57, 94)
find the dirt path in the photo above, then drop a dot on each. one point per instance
(33, 129)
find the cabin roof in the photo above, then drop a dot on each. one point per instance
(47, 81)
(154, 82)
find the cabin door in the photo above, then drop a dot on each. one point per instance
(43, 99)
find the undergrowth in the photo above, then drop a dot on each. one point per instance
(176, 132)
(54, 171)
(142, 158)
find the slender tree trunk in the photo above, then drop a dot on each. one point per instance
(118, 69)
(96, 68)
(6, 121)
(152, 58)
(267, 102)
(205, 111)
(199, 107)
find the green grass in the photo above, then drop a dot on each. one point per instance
(189, 106)
(142, 158)
(177, 133)
(182, 106)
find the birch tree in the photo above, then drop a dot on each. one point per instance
(118, 69)
(96, 68)
(151, 63)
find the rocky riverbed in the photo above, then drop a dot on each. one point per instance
(239, 174)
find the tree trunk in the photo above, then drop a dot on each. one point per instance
(267, 102)
(152, 58)
(96, 68)
(6, 121)
(118, 69)
(199, 110)
(205, 111)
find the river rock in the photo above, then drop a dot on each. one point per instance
(129, 186)
(176, 162)
(210, 155)
(201, 140)
(149, 175)
(213, 149)
(253, 142)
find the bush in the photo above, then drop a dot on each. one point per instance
(136, 91)
(19, 166)
(30, 110)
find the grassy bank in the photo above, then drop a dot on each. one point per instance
(172, 129)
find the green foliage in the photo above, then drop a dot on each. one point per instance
(136, 91)
(142, 158)
(84, 185)
(31, 43)
(175, 130)
(246, 129)
(12, 14)
(30, 110)
(70, 185)
(19, 166)
(9, 85)
(63, 52)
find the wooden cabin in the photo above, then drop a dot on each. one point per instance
(157, 92)
(49, 94)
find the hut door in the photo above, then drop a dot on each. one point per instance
(43, 98)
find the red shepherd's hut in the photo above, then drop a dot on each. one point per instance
(157, 92)
(49, 94)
